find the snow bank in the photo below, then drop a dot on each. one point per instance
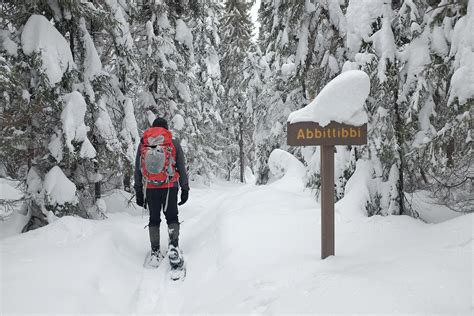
(341, 100)
(86, 268)
(256, 249)
(59, 189)
(289, 170)
(41, 37)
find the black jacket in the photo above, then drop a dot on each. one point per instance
(180, 166)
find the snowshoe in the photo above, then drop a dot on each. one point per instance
(153, 259)
(178, 268)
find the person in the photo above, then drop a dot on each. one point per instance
(164, 196)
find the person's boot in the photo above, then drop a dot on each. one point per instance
(175, 254)
(173, 232)
(155, 254)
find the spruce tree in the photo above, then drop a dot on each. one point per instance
(207, 87)
(236, 43)
(77, 142)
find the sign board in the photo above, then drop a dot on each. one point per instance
(312, 134)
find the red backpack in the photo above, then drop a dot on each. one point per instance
(158, 158)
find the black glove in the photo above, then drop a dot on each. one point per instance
(140, 199)
(184, 196)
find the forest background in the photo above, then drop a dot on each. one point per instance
(81, 80)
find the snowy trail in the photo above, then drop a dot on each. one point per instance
(248, 250)
(157, 293)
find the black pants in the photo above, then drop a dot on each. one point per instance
(156, 201)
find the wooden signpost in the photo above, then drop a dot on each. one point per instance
(312, 134)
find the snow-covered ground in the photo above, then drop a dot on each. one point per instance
(249, 249)
(428, 208)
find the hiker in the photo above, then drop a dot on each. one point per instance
(159, 167)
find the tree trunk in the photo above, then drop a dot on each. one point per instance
(423, 176)
(399, 134)
(98, 184)
(241, 148)
(72, 34)
(37, 219)
(127, 178)
(449, 153)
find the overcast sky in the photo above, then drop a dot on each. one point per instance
(254, 14)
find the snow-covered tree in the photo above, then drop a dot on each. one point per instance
(441, 105)
(40, 116)
(68, 130)
(207, 87)
(236, 43)
(170, 70)
(411, 51)
(280, 92)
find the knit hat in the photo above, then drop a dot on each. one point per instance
(160, 122)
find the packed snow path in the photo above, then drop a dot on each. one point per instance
(249, 250)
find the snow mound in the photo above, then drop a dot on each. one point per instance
(289, 170)
(42, 37)
(108, 277)
(59, 188)
(356, 192)
(341, 100)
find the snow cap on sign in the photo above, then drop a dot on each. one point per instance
(341, 100)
